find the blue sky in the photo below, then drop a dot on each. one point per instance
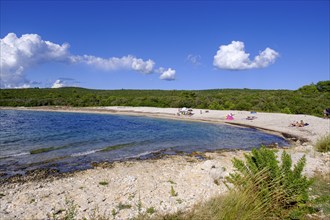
(164, 45)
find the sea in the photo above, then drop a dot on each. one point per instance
(67, 142)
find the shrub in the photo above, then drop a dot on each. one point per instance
(279, 188)
(320, 193)
(323, 144)
(286, 110)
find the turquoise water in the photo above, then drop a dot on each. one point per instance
(71, 141)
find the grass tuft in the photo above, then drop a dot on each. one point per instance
(122, 206)
(151, 210)
(103, 183)
(173, 193)
(171, 181)
(114, 212)
(323, 144)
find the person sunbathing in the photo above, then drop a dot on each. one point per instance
(294, 124)
(298, 124)
(301, 123)
(251, 117)
(230, 116)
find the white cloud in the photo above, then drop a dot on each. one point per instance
(65, 82)
(266, 57)
(21, 53)
(18, 54)
(58, 84)
(234, 57)
(168, 74)
(127, 62)
(194, 59)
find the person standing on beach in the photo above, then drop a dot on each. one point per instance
(326, 113)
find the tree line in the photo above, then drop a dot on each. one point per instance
(310, 99)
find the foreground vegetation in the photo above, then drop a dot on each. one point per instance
(246, 204)
(310, 99)
(323, 144)
(261, 188)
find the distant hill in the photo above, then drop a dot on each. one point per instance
(309, 99)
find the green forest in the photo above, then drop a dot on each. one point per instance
(309, 99)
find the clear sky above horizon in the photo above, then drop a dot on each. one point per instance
(164, 44)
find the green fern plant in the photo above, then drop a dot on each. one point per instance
(279, 185)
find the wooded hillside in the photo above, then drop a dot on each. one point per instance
(310, 99)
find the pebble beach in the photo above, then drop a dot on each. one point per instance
(123, 190)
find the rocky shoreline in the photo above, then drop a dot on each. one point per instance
(53, 173)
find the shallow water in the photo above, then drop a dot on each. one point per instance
(71, 141)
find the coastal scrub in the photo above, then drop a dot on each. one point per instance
(260, 188)
(280, 189)
(323, 144)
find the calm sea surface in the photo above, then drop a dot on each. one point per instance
(71, 141)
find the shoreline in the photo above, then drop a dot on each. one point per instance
(292, 134)
(138, 184)
(143, 184)
(43, 172)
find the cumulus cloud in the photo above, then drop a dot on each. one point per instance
(168, 74)
(127, 62)
(58, 84)
(194, 59)
(234, 57)
(64, 82)
(21, 53)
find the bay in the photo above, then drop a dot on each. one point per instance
(72, 141)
